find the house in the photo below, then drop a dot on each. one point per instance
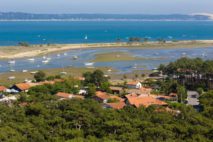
(3, 88)
(145, 101)
(101, 97)
(63, 96)
(134, 85)
(116, 90)
(21, 87)
(110, 101)
(82, 92)
(116, 105)
(142, 90)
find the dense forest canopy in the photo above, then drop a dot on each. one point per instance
(39, 116)
(193, 73)
(85, 120)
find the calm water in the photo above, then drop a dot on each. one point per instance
(155, 58)
(74, 32)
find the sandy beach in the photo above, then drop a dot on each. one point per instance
(12, 52)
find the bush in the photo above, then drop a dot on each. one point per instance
(40, 76)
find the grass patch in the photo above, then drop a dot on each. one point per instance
(20, 76)
(114, 56)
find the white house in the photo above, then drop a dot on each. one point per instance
(134, 85)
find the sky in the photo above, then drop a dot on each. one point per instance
(108, 6)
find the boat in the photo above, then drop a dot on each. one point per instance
(31, 59)
(135, 66)
(45, 61)
(11, 62)
(11, 77)
(48, 58)
(204, 55)
(89, 64)
(24, 70)
(63, 73)
(33, 72)
(12, 70)
(184, 54)
(44, 57)
(65, 54)
(86, 37)
(58, 55)
(75, 57)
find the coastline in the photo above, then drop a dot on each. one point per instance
(14, 52)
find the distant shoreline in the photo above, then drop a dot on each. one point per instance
(14, 52)
(101, 20)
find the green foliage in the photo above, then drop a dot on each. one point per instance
(97, 77)
(86, 120)
(91, 90)
(25, 44)
(206, 100)
(182, 93)
(112, 100)
(40, 76)
(105, 86)
(69, 85)
(134, 39)
(200, 90)
(193, 73)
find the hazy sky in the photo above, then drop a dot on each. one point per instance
(108, 6)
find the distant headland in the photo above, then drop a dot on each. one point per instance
(19, 16)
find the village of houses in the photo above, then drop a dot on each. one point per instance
(136, 95)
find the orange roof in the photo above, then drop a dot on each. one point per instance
(2, 88)
(118, 105)
(144, 101)
(133, 83)
(131, 95)
(23, 104)
(23, 86)
(102, 95)
(78, 97)
(64, 95)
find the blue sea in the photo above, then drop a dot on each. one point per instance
(38, 32)
(42, 32)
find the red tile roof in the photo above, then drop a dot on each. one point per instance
(102, 95)
(143, 101)
(2, 88)
(64, 95)
(118, 105)
(78, 97)
(23, 86)
(133, 83)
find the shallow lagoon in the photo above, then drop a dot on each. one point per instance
(154, 57)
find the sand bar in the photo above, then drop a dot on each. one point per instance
(12, 52)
